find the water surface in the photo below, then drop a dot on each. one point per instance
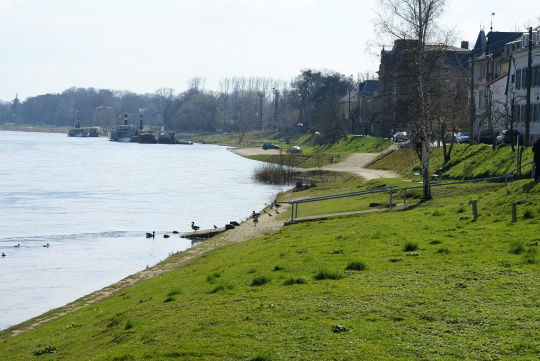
(92, 201)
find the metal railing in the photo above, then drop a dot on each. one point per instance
(294, 204)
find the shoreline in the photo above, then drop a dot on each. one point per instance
(33, 129)
(174, 261)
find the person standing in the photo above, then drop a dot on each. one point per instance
(536, 159)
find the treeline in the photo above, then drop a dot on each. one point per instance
(309, 102)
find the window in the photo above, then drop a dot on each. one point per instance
(518, 79)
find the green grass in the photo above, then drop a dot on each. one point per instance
(476, 301)
(467, 161)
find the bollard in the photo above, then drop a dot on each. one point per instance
(514, 213)
(474, 209)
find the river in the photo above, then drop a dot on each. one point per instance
(92, 201)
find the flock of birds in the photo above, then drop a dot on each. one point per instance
(231, 225)
(18, 245)
(274, 206)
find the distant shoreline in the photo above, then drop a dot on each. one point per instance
(33, 128)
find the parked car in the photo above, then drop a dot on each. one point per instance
(486, 137)
(294, 149)
(505, 136)
(400, 137)
(462, 138)
(267, 146)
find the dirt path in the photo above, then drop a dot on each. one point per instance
(354, 163)
(247, 230)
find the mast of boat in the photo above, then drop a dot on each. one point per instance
(140, 122)
(125, 119)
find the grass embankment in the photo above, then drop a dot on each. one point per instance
(33, 128)
(467, 161)
(314, 156)
(426, 283)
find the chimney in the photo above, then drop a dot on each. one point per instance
(465, 45)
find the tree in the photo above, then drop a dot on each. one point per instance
(415, 20)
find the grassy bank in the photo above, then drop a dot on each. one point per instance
(33, 128)
(426, 283)
(467, 161)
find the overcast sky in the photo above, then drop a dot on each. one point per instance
(47, 46)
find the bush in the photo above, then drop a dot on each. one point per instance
(356, 266)
(169, 299)
(528, 213)
(516, 247)
(213, 277)
(222, 286)
(328, 275)
(260, 280)
(530, 257)
(277, 268)
(410, 247)
(272, 173)
(173, 293)
(45, 350)
(294, 281)
(443, 250)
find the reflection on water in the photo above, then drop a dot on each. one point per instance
(93, 200)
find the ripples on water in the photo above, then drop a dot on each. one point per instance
(92, 200)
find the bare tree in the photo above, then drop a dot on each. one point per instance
(415, 21)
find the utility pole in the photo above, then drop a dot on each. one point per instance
(528, 104)
(261, 96)
(472, 115)
(276, 94)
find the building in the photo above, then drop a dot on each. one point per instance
(516, 89)
(449, 72)
(368, 120)
(491, 62)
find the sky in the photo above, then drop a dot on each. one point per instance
(47, 46)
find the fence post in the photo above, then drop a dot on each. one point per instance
(474, 209)
(514, 213)
(390, 205)
(405, 197)
(292, 212)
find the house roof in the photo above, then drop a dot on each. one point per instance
(480, 45)
(497, 39)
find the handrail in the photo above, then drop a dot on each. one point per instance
(391, 189)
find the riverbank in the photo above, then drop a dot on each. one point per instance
(422, 282)
(33, 128)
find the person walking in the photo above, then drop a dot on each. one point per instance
(536, 159)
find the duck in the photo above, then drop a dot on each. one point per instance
(254, 214)
(229, 226)
(234, 223)
(18, 245)
(46, 245)
(175, 232)
(166, 236)
(3, 254)
(194, 227)
(151, 235)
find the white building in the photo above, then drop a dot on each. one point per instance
(516, 92)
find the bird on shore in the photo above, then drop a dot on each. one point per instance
(194, 227)
(234, 223)
(215, 227)
(277, 212)
(166, 236)
(277, 205)
(264, 211)
(229, 226)
(151, 235)
(46, 245)
(18, 245)
(269, 214)
(254, 214)
(255, 221)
